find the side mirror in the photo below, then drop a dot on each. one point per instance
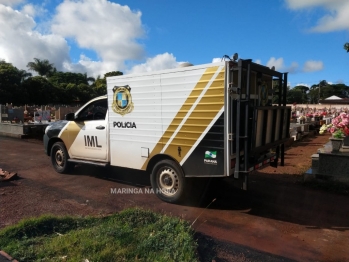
(70, 117)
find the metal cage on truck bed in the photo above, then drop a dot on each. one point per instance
(257, 129)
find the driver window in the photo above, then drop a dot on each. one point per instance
(94, 111)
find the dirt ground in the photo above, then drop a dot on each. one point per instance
(279, 219)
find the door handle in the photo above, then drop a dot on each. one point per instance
(100, 127)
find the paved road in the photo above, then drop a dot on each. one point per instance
(277, 220)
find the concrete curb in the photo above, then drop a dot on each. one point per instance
(13, 135)
(6, 256)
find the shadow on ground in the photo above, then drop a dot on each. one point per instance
(210, 249)
(280, 197)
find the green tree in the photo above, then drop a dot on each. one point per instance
(68, 78)
(113, 73)
(24, 75)
(19, 87)
(89, 79)
(314, 94)
(343, 90)
(100, 85)
(10, 83)
(42, 67)
(324, 89)
(294, 95)
(39, 91)
(323, 83)
(346, 47)
(304, 90)
(85, 92)
(73, 87)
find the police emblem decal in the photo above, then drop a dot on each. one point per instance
(122, 100)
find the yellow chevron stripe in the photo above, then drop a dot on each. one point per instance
(70, 132)
(203, 114)
(195, 93)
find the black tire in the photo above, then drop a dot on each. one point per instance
(168, 181)
(59, 158)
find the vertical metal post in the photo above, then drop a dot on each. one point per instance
(285, 90)
(237, 123)
(282, 158)
(280, 92)
(280, 100)
(246, 149)
(247, 98)
(227, 121)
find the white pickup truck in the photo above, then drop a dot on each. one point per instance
(212, 120)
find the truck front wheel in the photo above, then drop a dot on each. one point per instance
(59, 158)
(168, 181)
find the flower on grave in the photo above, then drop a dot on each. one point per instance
(340, 126)
(302, 117)
(325, 128)
(309, 115)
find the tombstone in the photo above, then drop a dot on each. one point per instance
(15, 114)
(42, 116)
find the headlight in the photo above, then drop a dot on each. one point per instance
(47, 128)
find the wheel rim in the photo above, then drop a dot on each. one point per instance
(59, 157)
(168, 182)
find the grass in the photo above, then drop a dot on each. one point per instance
(131, 235)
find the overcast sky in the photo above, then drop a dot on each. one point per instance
(302, 37)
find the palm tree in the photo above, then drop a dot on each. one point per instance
(346, 47)
(23, 75)
(42, 67)
(89, 78)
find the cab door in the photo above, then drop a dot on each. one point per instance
(91, 141)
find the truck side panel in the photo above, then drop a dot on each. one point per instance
(205, 104)
(208, 156)
(134, 133)
(172, 112)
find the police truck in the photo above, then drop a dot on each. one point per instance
(222, 119)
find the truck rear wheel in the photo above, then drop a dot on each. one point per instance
(168, 181)
(59, 158)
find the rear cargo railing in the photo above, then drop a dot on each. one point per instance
(256, 128)
(242, 108)
(273, 123)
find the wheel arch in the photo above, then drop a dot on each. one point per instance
(51, 143)
(157, 158)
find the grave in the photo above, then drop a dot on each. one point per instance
(330, 165)
(297, 131)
